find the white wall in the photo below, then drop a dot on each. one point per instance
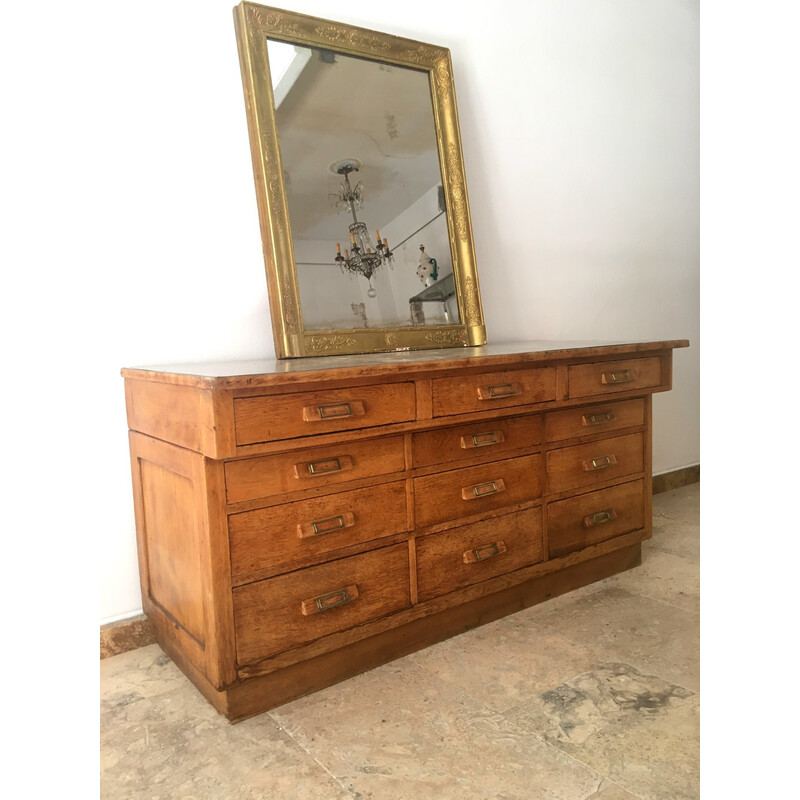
(580, 132)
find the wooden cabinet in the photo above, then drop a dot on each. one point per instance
(300, 522)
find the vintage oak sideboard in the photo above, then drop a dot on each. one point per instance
(299, 522)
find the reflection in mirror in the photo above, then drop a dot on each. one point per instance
(364, 190)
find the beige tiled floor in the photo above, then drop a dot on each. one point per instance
(591, 695)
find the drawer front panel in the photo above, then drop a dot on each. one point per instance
(585, 464)
(280, 613)
(472, 490)
(270, 418)
(608, 377)
(268, 476)
(491, 390)
(595, 517)
(267, 537)
(454, 559)
(480, 439)
(593, 419)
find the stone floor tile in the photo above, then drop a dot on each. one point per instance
(679, 504)
(622, 626)
(639, 730)
(676, 523)
(663, 576)
(533, 660)
(400, 733)
(161, 739)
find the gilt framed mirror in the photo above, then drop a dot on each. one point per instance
(360, 186)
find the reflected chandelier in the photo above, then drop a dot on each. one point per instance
(363, 258)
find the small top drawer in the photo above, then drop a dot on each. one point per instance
(490, 390)
(287, 416)
(280, 613)
(606, 377)
(282, 473)
(479, 439)
(584, 421)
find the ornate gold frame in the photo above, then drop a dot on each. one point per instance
(254, 23)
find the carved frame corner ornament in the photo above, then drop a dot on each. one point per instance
(254, 24)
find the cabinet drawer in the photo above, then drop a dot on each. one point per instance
(607, 377)
(486, 439)
(454, 559)
(594, 517)
(472, 490)
(280, 613)
(593, 419)
(267, 476)
(585, 464)
(490, 390)
(270, 536)
(287, 416)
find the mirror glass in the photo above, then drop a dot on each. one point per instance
(364, 190)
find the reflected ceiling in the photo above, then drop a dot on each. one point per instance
(332, 107)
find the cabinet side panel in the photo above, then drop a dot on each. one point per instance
(172, 543)
(184, 563)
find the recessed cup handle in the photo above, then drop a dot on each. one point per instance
(325, 602)
(482, 439)
(306, 530)
(618, 376)
(601, 462)
(599, 518)
(599, 419)
(483, 489)
(325, 466)
(329, 411)
(499, 391)
(484, 552)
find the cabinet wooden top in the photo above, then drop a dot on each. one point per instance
(268, 372)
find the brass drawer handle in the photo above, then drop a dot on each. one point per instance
(599, 419)
(499, 391)
(601, 462)
(355, 408)
(482, 439)
(599, 518)
(483, 489)
(329, 525)
(324, 467)
(325, 602)
(618, 376)
(484, 552)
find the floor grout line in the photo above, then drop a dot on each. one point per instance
(310, 755)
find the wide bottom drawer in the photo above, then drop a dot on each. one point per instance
(477, 552)
(595, 517)
(280, 613)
